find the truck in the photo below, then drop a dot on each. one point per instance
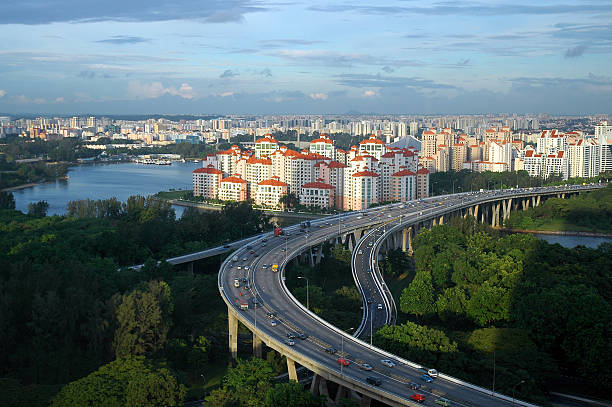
(275, 268)
(278, 232)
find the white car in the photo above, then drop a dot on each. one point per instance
(290, 342)
(273, 322)
(360, 252)
(380, 306)
(387, 362)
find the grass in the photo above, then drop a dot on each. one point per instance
(172, 194)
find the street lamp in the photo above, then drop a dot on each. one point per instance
(342, 350)
(307, 292)
(514, 388)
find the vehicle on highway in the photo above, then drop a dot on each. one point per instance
(370, 244)
(420, 398)
(244, 259)
(374, 380)
(414, 386)
(244, 305)
(246, 267)
(290, 342)
(360, 252)
(271, 315)
(365, 366)
(235, 258)
(302, 335)
(431, 372)
(278, 232)
(426, 378)
(239, 267)
(291, 335)
(387, 362)
(252, 251)
(443, 402)
(331, 350)
(264, 266)
(275, 268)
(236, 282)
(273, 322)
(343, 361)
(380, 306)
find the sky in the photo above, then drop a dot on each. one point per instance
(305, 57)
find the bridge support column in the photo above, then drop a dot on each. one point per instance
(441, 221)
(232, 322)
(365, 401)
(319, 386)
(190, 267)
(311, 257)
(342, 392)
(291, 369)
(475, 213)
(319, 254)
(257, 346)
(404, 239)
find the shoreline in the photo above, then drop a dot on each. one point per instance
(22, 186)
(555, 232)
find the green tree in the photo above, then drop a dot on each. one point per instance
(291, 394)
(489, 304)
(249, 381)
(38, 209)
(418, 297)
(131, 381)
(7, 200)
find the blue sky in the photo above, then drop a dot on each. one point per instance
(243, 56)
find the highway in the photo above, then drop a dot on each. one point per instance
(268, 289)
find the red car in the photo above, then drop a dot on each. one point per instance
(343, 361)
(418, 397)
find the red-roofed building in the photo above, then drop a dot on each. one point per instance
(403, 186)
(317, 194)
(265, 146)
(372, 146)
(269, 192)
(422, 183)
(233, 188)
(323, 146)
(206, 182)
(361, 190)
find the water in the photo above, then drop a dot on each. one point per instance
(573, 241)
(103, 181)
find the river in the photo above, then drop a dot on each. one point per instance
(103, 181)
(573, 241)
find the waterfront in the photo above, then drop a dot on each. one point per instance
(573, 240)
(103, 181)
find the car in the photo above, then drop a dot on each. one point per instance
(414, 386)
(360, 252)
(246, 267)
(252, 252)
(373, 380)
(246, 287)
(380, 306)
(387, 362)
(291, 335)
(431, 372)
(443, 402)
(239, 267)
(271, 315)
(244, 259)
(263, 245)
(290, 342)
(331, 350)
(283, 249)
(273, 322)
(369, 300)
(264, 240)
(365, 366)
(426, 378)
(418, 397)
(264, 266)
(370, 244)
(343, 361)
(302, 335)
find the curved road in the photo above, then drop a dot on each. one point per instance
(268, 289)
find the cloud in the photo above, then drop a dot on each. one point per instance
(369, 93)
(379, 81)
(266, 72)
(139, 90)
(59, 100)
(228, 73)
(2, 93)
(87, 74)
(279, 43)
(24, 100)
(576, 51)
(318, 96)
(225, 94)
(337, 59)
(387, 69)
(123, 39)
(45, 12)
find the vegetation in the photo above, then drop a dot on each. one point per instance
(534, 310)
(586, 212)
(67, 310)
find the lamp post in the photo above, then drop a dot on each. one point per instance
(307, 292)
(514, 388)
(342, 350)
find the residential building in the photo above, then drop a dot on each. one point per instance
(206, 181)
(317, 194)
(233, 188)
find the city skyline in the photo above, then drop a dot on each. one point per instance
(247, 57)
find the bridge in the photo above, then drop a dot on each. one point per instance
(258, 292)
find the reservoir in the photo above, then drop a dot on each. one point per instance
(573, 241)
(103, 181)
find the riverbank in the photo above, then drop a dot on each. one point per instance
(554, 232)
(218, 207)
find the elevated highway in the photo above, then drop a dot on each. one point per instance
(252, 291)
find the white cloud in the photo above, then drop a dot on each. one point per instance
(24, 100)
(369, 93)
(59, 100)
(318, 96)
(154, 90)
(2, 93)
(226, 94)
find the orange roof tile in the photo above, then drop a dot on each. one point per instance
(365, 174)
(273, 183)
(319, 185)
(403, 173)
(234, 180)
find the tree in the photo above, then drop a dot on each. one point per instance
(290, 200)
(7, 200)
(132, 381)
(291, 394)
(249, 381)
(38, 209)
(418, 297)
(143, 320)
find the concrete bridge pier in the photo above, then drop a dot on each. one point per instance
(232, 322)
(407, 237)
(475, 214)
(319, 386)
(190, 267)
(291, 369)
(342, 392)
(257, 346)
(319, 254)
